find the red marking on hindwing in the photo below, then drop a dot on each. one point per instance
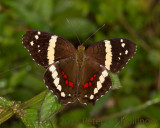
(85, 85)
(70, 84)
(65, 76)
(66, 82)
(62, 72)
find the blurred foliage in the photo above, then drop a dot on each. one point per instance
(21, 78)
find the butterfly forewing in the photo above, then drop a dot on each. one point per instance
(46, 48)
(112, 53)
(95, 82)
(60, 78)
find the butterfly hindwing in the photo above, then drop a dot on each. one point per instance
(46, 48)
(112, 53)
(60, 78)
(95, 82)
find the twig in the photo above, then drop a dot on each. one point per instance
(5, 116)
(127, 111)
(34, 100)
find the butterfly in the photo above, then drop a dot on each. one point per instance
(78, 74)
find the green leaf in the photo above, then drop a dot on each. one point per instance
(4, 102)
(115, 81)
(31, 119)
(49, 106)
(5, 111)
(34, 100)
(5, 115)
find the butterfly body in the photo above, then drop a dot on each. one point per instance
(78, 74)
(80, 56)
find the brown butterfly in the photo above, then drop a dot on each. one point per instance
(78, 73)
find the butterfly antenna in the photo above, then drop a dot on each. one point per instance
(68, 21)
(93, 33)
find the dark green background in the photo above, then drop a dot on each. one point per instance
(21, 78)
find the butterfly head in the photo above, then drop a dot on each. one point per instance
(81, 48)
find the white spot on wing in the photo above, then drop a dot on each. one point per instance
(123, 44)
(59, 87)
(101, 78)
(95, 90)
(39, 32)
(126, 52)
(52, 68)
(99, 85)
(62, 94)
(91, 97)
(54, 74)
(31, 43)
(51, 50)
(121, 40)
(105, 73)
(36, 36)
(56, 81)
(108, 60)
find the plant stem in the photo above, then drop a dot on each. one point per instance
(34, 100)
(128, 111)
(5, 116)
